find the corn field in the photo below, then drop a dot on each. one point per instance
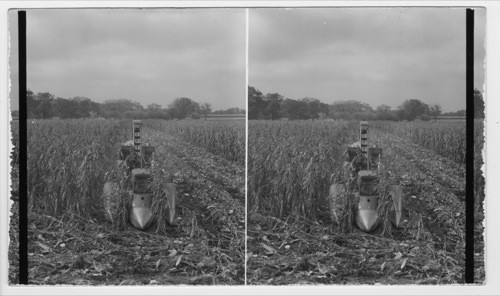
(223, 138)
(291, 164)
(67, 164)
(446, 139)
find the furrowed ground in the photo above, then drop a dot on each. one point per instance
(70, 241)
(299, 248)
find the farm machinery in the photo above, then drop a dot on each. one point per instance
(362, 169)
(135, 160)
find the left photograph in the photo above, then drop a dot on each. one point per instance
(135, 146)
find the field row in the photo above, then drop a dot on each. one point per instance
(223, 138)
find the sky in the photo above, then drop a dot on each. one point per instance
(374, 55)
(145, 55)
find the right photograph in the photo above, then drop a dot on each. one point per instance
(356, 169)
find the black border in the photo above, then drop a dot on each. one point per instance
(469, 152)
(23, 149)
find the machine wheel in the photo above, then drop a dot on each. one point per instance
(171, 194)
(396, 193)
(336, 201)
(111, 199)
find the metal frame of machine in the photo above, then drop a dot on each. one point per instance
(363, 163)
(136, 160)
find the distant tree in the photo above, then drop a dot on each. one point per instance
(391, 115)
(456, 113)
(85, 106)
(383, 108)
(171, 113)
(135, 114)
(44, 105)
(31, 104)
(205, 109)
(351, 106)
(163, 114)
(314, 107)
(154, 111)
(295, 110)
(273, 108)
(65, 108)
(350, 110)
(154, 107)
(411, 109)
(478, 104)
(137, 106)
(235, 110)
(121, 108)
(435, 111)
(384, 112)
(400, 112)
(256, 103)
(184, 107)
(364, 116)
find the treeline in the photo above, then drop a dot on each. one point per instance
(274, 106)
(46, 105)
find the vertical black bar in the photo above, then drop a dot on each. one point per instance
(23, 149)
(469, 177)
